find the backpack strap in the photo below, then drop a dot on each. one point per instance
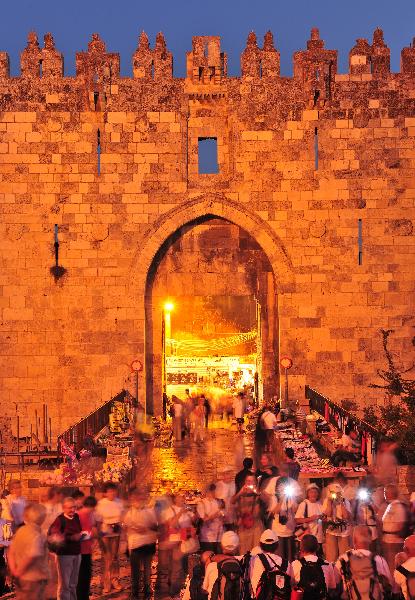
(265, 563)
(305, 510)
(403, 571)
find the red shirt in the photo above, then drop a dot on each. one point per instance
(87, 523)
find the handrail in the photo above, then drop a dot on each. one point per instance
(318, 403)
(95, 421)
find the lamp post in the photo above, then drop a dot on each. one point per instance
(286, 363)
(166, 335)
(137, 367)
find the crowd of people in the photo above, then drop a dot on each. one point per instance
(259, 534)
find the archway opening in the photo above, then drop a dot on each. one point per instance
(211, 316)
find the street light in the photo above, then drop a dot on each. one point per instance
(168, 307)
(286, 363)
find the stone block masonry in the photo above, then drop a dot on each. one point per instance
(113, 161)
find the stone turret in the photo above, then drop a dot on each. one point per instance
(52, 60)
(408, 59)
(206, 64)
(381, 54)
(270, 57)
(143, 58)
(360, 58)
(97, 65)
(4, 65)
(31, 57)
(251, 58)
(163, 59)
(316, 68)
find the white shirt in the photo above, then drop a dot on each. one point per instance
(238, 407)
(328, 571)
(400, 579)
(288, 508)
(178, 409)
(337, 513)
(52, 511)
(225, 491)
(210, 531)
(257, 568)
(269, 488)
(313, 508)
(141, 517)
(13, 509)
(394, 514)
(268, 420)
(109, 512)
(381, 564)
(344, 442)
(5, 533)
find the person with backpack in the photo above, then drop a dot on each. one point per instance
(283, 509)
(365, 576)
(395, 523)
(337, 516)
(194, 585)
(314, 576)
(271, 576)
(64, 537)
(224, 575)
(404, 574)
(308, 517)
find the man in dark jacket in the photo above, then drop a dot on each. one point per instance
(240, 477)
(65, 536)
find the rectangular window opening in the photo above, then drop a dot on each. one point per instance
(208, 155)
(99, 152)
(316, 148)
(360, 242)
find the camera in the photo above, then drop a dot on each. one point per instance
(363, 495)
(289, 491)
(336, 496)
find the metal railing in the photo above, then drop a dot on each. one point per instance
(94, 422)
(341, 418)
(318, 402)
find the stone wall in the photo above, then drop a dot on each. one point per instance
(113, 162)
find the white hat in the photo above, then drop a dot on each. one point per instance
(268, 537)
(229, 541)
(312, 486)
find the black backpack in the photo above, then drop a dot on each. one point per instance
(275, 583)
(312, 580)
(228, 585)
(410, 581)
(196, 582)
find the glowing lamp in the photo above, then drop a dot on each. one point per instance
(168, 306)
(286, 362)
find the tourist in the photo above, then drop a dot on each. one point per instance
(364, 512)
(64, 537)
(282, 508)
(386, 463)
(247, 465)
(208, 409)
(212, 516)
(225, 491)
(265, 470)
(86, 516)
(315, 577)
(362, 571)
(78, 498)
(176, 525)
(28, 556)
(346, 450)
(197, 421)
(109, 515)
(267, 422)
(5, 535)
(248, 514)
(293, 467)
(228, 547)
(394, 525)
(14, 504)
(194, 587)
(337, 516)
(404, 574)
(53, 506)
(239, 411)
(308, 517)
(177, 414)
(141, 523)
(266, 561)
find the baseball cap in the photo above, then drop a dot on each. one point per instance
(312, 486)
(268, 537)
(229, 541)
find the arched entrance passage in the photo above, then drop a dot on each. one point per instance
(160, 239)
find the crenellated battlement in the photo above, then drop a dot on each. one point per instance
(206, 63)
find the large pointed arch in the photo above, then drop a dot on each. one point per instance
(214, 205)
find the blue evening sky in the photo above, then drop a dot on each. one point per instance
(120, 21)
